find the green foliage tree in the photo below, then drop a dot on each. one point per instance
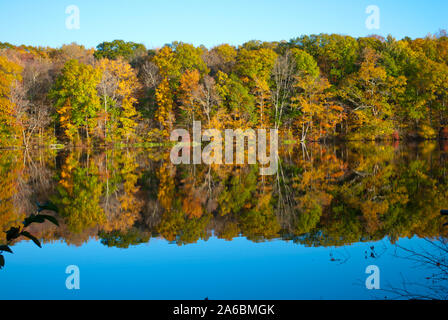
(119, 49)
(76, 100)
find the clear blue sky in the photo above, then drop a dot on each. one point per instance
(210, 22)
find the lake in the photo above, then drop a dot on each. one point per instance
(138, 227)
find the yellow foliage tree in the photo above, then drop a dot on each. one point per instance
(318, 114)
(9, 126)
(119, 86)
(189, 83)
(164, 113)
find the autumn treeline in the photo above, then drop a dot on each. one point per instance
(324, 195)
(312, 88)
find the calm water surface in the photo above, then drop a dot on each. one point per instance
(139, 227)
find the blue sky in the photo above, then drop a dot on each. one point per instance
(207, 22)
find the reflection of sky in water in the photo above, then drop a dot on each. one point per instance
(217, 269)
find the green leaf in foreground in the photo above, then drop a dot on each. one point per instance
(5, 248)
(51, 219)
(31, 237)
(39, 218)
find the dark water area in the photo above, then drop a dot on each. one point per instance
(140, 227)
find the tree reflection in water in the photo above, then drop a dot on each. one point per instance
(322, 195)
